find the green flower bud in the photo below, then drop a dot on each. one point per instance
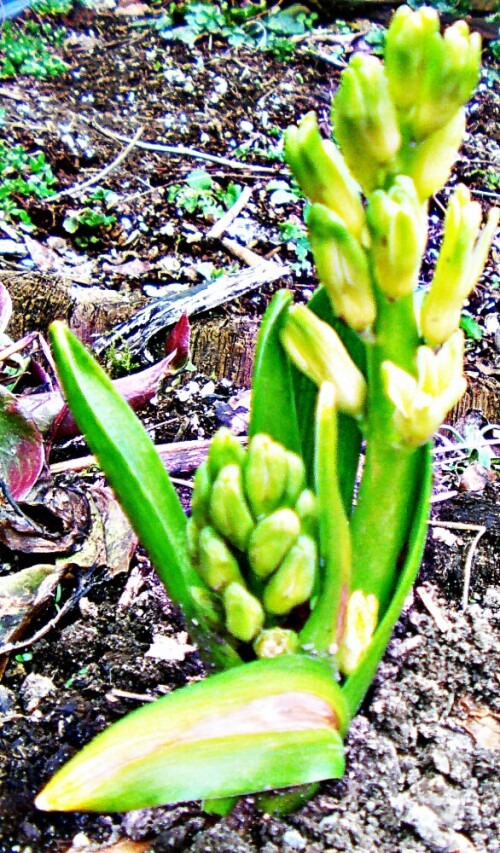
(266, 474)
(293, 583)
(217, 565)
(398, 227)
(296, 478)
(316, 349)
(271, 540)
(229, 512)
(322, 174)
(365, 122)
(209, 605)
(342, 267)
(307, 510)
(460, 263)
(429, 163)
(201, 495)
(225, 449)
(244, 614)
(276, 641)
(192, 539)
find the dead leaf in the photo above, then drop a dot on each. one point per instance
(120, 540)
(22, 595)
(65, 514)
(5, 308)
(178, 341)
(481, 723)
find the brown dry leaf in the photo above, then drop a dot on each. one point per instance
(131, 269)
(120, 540)
(65, 515)
(22, 595)
(481, 723)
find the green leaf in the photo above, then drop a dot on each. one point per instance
(359, 681)
(471, 328)
(273, 405)
(268, 724)
(135, 471)
(349, 435)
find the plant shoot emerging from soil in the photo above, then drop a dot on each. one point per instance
(290, 586)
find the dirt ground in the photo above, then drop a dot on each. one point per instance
(422, 755)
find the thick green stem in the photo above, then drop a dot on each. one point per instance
(382, 516)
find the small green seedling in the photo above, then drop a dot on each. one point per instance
(289, 584)
(23, 176)
(31, 48)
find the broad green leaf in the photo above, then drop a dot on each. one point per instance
(129, 459)
(273, 405)
(359, 682)
(268, 724)
(349, 436)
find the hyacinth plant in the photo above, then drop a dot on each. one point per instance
(290, 578)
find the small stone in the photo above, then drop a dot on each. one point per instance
(33, 689)
(293, 839)
(7, 700)
(441, 761)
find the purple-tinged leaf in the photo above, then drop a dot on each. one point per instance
(178, 343)
(21, 447)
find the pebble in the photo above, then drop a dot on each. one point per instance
(292, 838)
(33, 689)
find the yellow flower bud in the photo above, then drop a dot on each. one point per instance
(271, 540)
(316, 349)
(293, 583)
(266, 474)
(422, 404)
(360, 625)
(342, 267)
(430, 77)
(322, 174)
(460, 263)
(244, 614)
(229, 512)
(365, 122)
(217, 565)
(398, 227)
(276, 641)
(429, 163)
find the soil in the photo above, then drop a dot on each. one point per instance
(422, 755)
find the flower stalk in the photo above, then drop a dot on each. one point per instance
(290, 585)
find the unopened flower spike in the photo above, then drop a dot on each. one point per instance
(460, 262)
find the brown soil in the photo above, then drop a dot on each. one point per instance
(423, 753)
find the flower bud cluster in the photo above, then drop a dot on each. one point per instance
(252, 537)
